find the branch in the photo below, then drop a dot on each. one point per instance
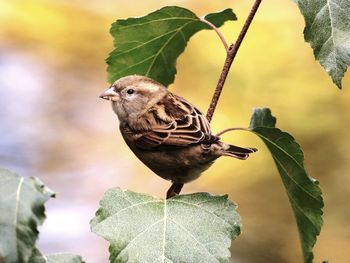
(231, 54)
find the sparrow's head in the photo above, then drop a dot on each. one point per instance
(133, 95)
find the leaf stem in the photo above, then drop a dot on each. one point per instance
(221, 36)
(231, 129)
(231, 54)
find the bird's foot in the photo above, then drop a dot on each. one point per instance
(174, 190)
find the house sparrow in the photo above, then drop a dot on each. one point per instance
(166, 132)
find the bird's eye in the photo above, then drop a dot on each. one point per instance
(130, 91)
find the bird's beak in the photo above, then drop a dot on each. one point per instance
(110, 94)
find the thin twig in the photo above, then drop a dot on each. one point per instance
(231, 54)
(231, 129)
(221, 36)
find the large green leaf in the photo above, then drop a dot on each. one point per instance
(303, 191)
(150, 45)
(37, 257)
(192, 228)
(328, 31)
(21, 211)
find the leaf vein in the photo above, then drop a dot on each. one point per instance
(296, 183)
(159, 20)
(164, 229)
(278, 147)
(165, 44)
(18, 194)
(195, 239)
(183, 202)
(332, 36)
(129, 207)
(139, 234)
(136, 64)
(143, 44)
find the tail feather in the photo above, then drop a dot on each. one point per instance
(237, 149)
(238, 152)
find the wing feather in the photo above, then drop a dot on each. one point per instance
(183, 125)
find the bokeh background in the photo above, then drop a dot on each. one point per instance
(54, 126)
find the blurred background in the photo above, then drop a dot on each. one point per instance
(54, 126)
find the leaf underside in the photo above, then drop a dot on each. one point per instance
(150, 45)
(37, 257)
(186, 228)
(303, 191)
(21, 211)
(327, 29)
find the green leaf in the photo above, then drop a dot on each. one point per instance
(150, 45)
(328, 31)
(21, 211)
(186, 228)
(37, 257)
(303, 191)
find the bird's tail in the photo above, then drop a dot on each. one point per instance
(237, 152)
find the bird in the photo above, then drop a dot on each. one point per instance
(166, 132)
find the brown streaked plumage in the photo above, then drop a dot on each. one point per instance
(166, 132)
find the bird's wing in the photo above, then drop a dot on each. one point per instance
(174, 122)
